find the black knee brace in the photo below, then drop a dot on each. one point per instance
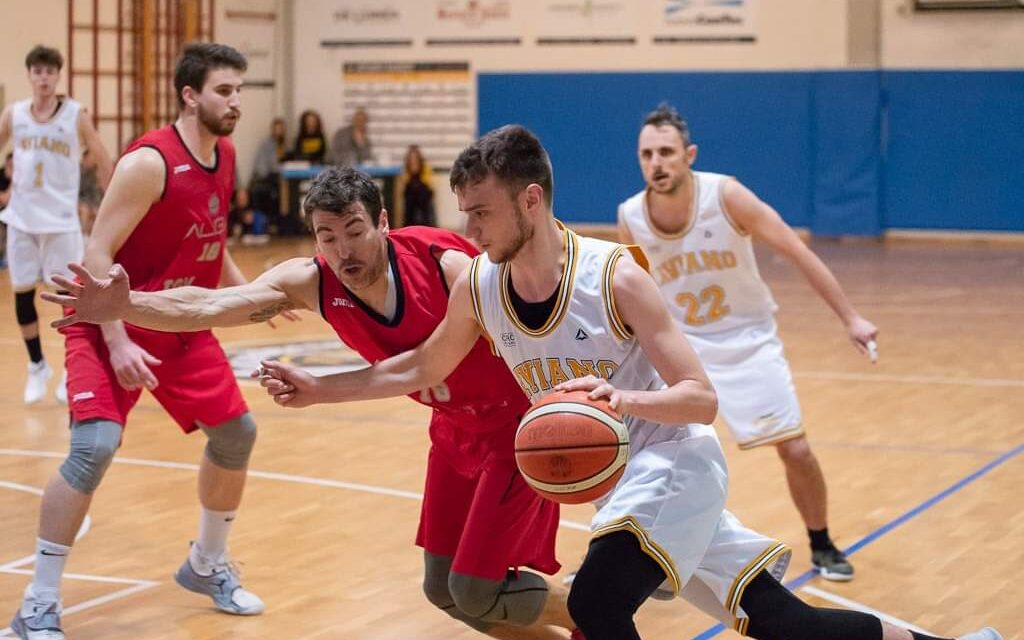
(25, 307)
(611, 584)
(776, 614)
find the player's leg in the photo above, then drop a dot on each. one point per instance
(222, 474)
(473, 530)
(776, 614)
(807, 488)
(95, 435)
(616, 577)
(25, 257)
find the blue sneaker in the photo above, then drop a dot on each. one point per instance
(988, 633)
(222, 586)
(37, 619)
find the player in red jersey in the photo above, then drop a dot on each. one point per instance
(164, 218)
(384, 292)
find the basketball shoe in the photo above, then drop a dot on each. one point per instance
(39, 373)
(832, 564)
(222, 585)
(38, 618)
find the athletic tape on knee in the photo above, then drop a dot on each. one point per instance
(92, 448)
(518, 600)
(229, 444)
(25, 307)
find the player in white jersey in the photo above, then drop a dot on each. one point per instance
(43, 231)
(570, 313)
(697, 227)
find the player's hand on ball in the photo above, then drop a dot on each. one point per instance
(597, 387)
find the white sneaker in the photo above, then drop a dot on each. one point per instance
(39, 373)
(38, 618)
(222, 585)
(61, 392)
(988, 633)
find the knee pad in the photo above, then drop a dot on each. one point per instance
(518, 600)
(435, 588)
(25, 307)
(229, 444)
(93, 445)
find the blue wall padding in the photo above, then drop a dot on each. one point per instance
(955, 157)
(846, 166)
(810, 143)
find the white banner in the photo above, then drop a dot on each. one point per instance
(706, 20)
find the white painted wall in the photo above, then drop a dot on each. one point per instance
(951, 39)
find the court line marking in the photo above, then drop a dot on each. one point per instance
(13, 567)
(267, 475)
(908, 379)
(863, 608)
(912, 513)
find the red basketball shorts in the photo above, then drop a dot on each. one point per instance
(489, 522)
(196, 383)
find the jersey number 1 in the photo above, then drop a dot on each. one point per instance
(38, 182)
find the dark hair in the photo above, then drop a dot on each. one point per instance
(302, 123)
(336, 189)
(198, 60)
(512, 154)
(666, 115)
(45, 56)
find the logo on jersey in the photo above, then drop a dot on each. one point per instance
(707, 234)
(581, 334)
(214, 204)
(342, 302)
(181, 168)
(508, 339)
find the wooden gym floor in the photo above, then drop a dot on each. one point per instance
(921, 453)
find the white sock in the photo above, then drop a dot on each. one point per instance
(212, 542)
(50, 559)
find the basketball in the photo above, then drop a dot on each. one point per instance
(571, 449)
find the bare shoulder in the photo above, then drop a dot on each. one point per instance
(453, 263)
(296, 278)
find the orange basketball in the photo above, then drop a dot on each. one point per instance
(571, 449)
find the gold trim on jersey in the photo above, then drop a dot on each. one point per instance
(571, 251)
(647, 545)
(732, 601)
(694, 208)
(725, 208)
(789, 434)
(619, 328)
(474, 295)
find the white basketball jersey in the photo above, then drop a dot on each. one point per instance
(707, 273)
(47, 156)
(584, 334)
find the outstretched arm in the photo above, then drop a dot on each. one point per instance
(764, 223)
(289, 285)
(425, 366)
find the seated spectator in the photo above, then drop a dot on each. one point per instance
(265, 183)
(310, 143)
(244, 222)
(351, 145)
(417, 190)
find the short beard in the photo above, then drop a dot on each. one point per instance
(216, 126)
(523, 235)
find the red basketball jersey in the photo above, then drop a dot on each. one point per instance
(180, 240)
(477, 409)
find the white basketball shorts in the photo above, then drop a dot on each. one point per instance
(756, 396)
(34, 257)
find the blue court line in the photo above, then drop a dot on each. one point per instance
(806, 577)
